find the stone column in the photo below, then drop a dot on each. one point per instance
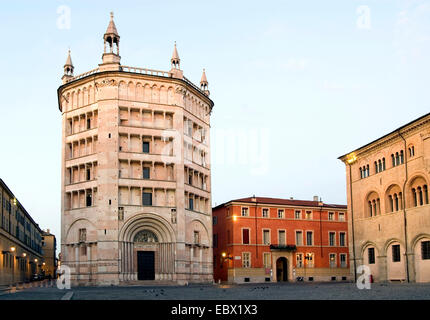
(382, 268)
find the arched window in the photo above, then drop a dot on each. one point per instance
(420, 195)
(426, 194)
(380, 165)
(390, 201)
(361, 173)
(397, 158)
(393, 160)
(400, 201)
(383, 163)
(396, 202)
(401, 157)
(414, 194)
(376, 167)
(367, 171)
(373, 204)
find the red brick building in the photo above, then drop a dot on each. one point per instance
(260, 239)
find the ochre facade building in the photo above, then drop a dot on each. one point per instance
(388, 204)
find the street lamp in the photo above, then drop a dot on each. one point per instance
(308, 257)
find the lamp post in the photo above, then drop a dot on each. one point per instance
(12, 249)
(351, 159)
(225, 256)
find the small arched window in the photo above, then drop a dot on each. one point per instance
(402, 157)
(420, 195)
(414, 195)
(396, 202)
(393, 160)
(426, 194)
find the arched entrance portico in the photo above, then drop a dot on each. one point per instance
(147, 249)
(282, 269)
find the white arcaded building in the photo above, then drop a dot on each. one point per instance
(136, 181)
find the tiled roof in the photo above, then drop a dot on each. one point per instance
(286, 202)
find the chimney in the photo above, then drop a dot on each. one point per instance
(291, 198)
(47, 230)
(316, 198)
(254, 199)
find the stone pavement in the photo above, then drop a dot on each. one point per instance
(287, 291)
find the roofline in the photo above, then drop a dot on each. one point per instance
(325, 205)
(129, 72)
(4, 185)
(385, 136)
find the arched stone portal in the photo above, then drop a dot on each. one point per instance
(147, 248)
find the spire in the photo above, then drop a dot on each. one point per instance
(111, 29)
(69, 61)
(204, 84)
(204, 81)
(175, 59)
(68, 69)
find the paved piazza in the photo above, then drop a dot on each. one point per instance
(290, 291)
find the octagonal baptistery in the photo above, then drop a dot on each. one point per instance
(136, 196)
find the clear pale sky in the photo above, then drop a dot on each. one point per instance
(296, 84)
